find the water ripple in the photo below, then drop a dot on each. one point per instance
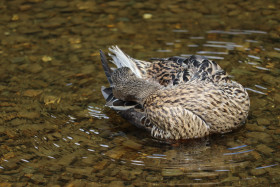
(267, 166)
(164, 50)
(252, 41)
(137, 162)
(255, 31)
(193, 45)
(157, 156)
(262, 68)
(197, 38)
(261, 87)
(255, 91)
(104, 145)
(254, 57)
(212, 52)
(69, 137)
(180, 30)
(96, 112)
(56, 145)
(222, 170)
(24, 160)
(219, 44)
(206, 56)
(252, 63)
(241, 152)
(237, 147)
(215, 57)
(169, 43)
(237, 32)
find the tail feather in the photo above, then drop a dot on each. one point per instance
(107, 70)
(120, 59)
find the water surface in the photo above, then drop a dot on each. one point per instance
(55, 130)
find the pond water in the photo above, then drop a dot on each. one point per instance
(55, 129)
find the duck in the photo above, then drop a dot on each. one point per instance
(174, 98)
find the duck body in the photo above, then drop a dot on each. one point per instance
(175, 98)
(207, 109)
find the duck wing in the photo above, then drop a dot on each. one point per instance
(176, 70)
(203, 69)
(167, 71)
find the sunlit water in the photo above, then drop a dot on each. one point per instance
(54, 126)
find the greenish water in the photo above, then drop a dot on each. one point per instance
(55, 130)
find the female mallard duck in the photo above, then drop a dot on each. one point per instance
(175, 98)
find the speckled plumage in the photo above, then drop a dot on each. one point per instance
(175, 98)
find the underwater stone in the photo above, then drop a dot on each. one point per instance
(273, 54)
(277, 98)
(260, 136)
(230, 179)
(257, 172)
(254, 127)
(29, 115)
(264, 149)
(171, 172)
(127, 175)
(263, 121)
(234, 13)
(32, 93)
(116, 153)
(35, 68)
(269, 79)
(67, 160)
(147, 16)
(100, 165)
(116, 184)
(17, 59)
(132, 145)
(39, 178)
(153, 178)
(93, 184)
(203, 175)
(82, 171)
(6, 184)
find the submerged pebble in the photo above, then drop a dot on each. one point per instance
(32, 93)
(116, 153)
(255, 127)
(263, 121)
(260, 136)
(132, 145)
(257, 172)
(171, 172)
(262, 148)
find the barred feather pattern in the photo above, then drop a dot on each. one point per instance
(179, 98)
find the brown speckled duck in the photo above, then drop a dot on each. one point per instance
(175, 98)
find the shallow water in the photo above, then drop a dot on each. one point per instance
(54, 126)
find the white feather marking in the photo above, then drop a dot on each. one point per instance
(120, 59)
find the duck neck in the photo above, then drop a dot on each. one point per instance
(146, 89)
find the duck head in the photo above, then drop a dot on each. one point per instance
(127, 87)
